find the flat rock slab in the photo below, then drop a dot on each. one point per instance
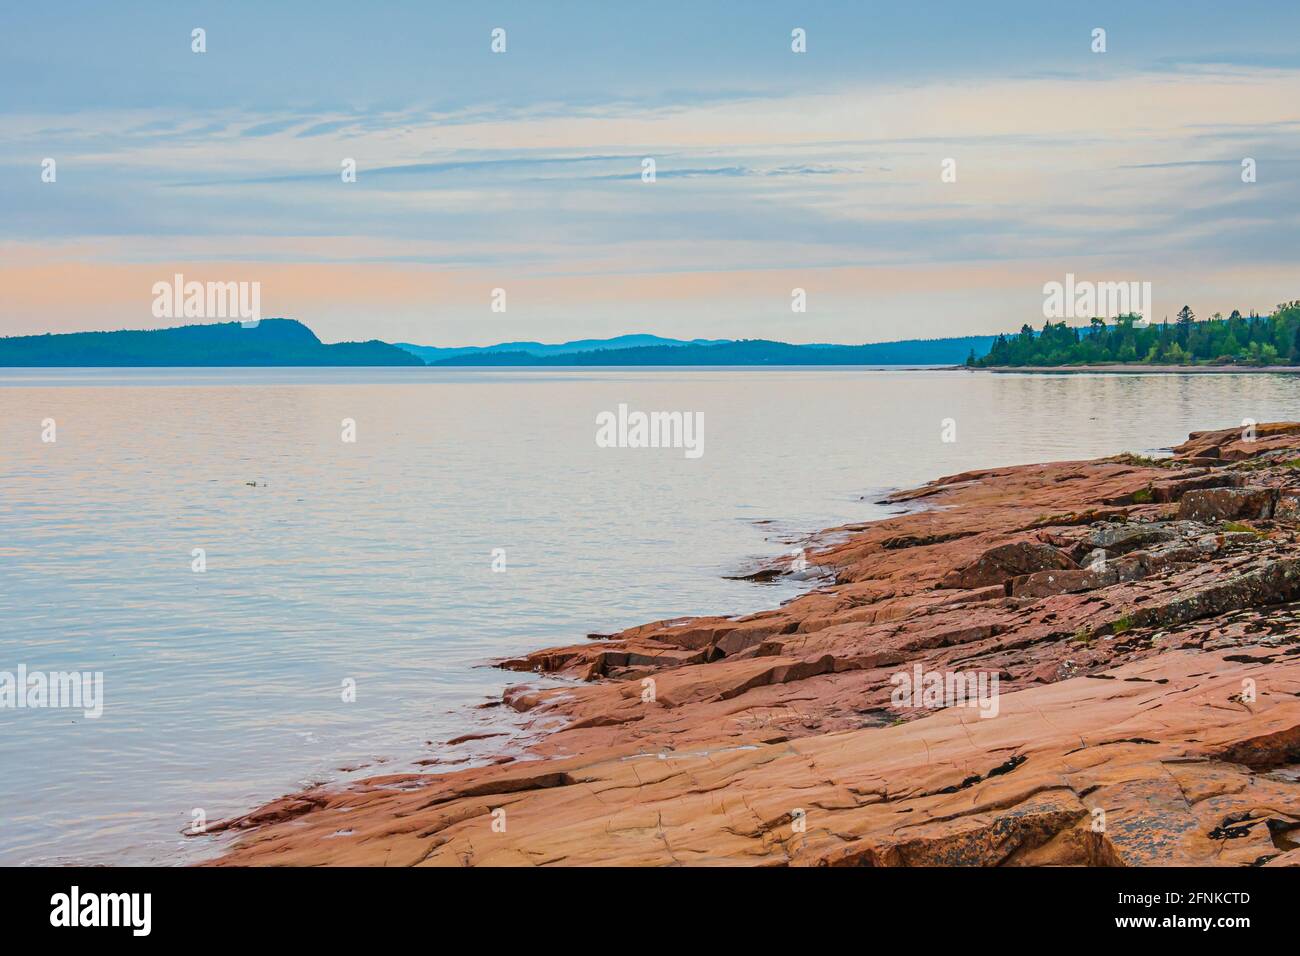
(1140, 710)
(1136, 766)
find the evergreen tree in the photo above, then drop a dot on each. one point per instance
(1262, 340)
(1186, 317)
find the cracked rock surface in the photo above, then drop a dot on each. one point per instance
(1141, 619)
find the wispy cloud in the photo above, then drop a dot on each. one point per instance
(525, 170)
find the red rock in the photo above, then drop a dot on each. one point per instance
(1221, 504)
(1151, 719)
(1234, 444)
(1001, 564)
(1045, 583)
(1287, 510)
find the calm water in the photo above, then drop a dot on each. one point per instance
(372, 561)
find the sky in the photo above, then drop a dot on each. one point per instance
(522, 170)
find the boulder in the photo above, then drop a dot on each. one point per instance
(1122, 538)
(999, 565)
(1173, 489)
(1223, 504)
(1237, 444)
(1130, 567)
(1043, 584)
(1287, 509)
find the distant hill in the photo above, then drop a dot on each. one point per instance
(951, 351)
(286, 342)
(272, 342)
(433, 354)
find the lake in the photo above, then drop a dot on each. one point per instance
(352, 591)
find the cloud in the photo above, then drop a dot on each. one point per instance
(1128, 173)
(332, 126)
(271, 128)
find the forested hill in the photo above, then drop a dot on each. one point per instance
(287, 342)
(1235, 340)
(272, 342)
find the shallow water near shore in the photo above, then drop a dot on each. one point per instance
(373, 561)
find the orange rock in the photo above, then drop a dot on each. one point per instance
(1147, 704)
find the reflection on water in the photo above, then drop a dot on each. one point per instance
(372, 562)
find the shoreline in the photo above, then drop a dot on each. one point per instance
(1142, 369)
(23, 374)
(777, 737)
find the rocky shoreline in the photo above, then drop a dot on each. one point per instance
(1137, 622)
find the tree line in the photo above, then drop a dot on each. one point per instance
(1233, 340)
